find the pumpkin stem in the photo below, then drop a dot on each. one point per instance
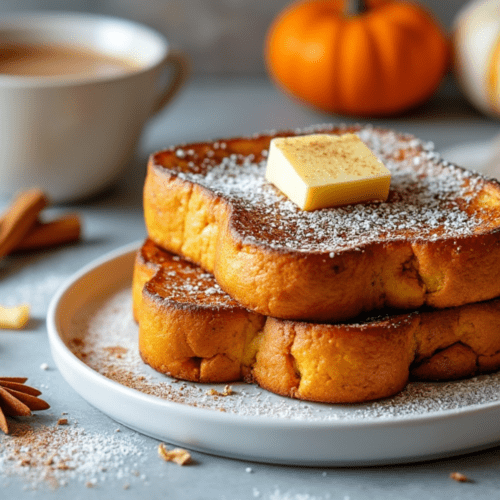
(355, 7)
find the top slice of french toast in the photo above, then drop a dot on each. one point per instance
(434, 241)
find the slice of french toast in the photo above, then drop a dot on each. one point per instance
(190, 329)
(435, 241)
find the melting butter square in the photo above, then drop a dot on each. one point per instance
(322, 170)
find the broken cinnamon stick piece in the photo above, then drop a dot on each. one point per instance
(19, 218)
(66, 229)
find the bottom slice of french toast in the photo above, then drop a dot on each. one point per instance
(190, 329)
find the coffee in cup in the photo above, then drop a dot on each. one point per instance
(75, 93)
(23, 59)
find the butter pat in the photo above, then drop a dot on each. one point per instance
(321, 170)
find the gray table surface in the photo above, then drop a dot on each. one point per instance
(212, 108)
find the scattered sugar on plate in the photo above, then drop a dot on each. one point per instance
(101, 330)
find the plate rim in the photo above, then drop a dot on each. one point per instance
(461, 153)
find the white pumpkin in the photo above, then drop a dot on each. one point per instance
(476, 43)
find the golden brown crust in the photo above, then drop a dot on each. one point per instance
(199, 335)
(254, 247)
(332, 363)
(190, 329)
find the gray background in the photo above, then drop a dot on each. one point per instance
(221, 36)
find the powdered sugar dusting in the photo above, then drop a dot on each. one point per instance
(288, 495)
(104, 336)
(429, 199)
(189, 284)
(54, 455)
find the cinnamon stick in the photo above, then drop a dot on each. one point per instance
(65, 229)
(19, 218)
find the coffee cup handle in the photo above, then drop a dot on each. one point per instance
(179, 64)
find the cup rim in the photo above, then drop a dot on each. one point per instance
(17, 19)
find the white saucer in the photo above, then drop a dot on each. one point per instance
(425, 421)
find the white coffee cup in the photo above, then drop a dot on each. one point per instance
(71, 135)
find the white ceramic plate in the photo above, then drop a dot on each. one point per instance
(425, 421)
(483, 156)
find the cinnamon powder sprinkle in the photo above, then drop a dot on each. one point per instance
(117, 351)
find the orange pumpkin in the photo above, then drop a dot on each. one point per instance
(387, 57)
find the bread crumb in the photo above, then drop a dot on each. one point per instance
(228, 391)
(62, 421)
(459, 477)
(44, 366)
(177, 455)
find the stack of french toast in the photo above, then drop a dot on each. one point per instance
(335, 305)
